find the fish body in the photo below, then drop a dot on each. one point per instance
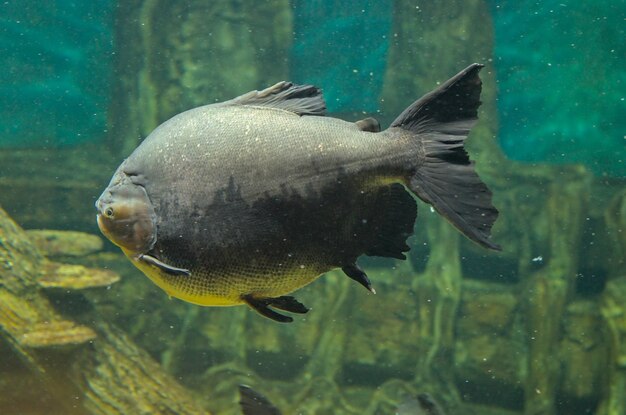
(248, 200)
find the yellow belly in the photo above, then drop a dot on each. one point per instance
(227, 294)
(163, 282)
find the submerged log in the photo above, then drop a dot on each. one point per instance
(120, 378)
(106, 373)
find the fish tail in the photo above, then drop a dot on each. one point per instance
(445, 176)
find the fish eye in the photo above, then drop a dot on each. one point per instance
(108, 212)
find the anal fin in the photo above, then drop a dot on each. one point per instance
(287, 303)
(388, 223)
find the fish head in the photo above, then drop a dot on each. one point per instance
(126, 215)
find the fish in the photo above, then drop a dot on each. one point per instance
(252, 402)
(247, 200)
(423, 404)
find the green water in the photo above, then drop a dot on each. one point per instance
(536, 328)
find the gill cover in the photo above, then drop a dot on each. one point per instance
(126, 216)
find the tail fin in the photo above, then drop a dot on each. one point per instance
(446, 179)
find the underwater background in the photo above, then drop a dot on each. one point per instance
(539, 328)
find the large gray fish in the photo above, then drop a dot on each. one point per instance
(245, 201)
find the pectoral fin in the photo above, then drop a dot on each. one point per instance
(262, 306)
(168, 269)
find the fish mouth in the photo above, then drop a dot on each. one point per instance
(99, 217)
(105, 227)
(102, 225)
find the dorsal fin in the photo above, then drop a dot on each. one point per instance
(368, 124)
(299, 99)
